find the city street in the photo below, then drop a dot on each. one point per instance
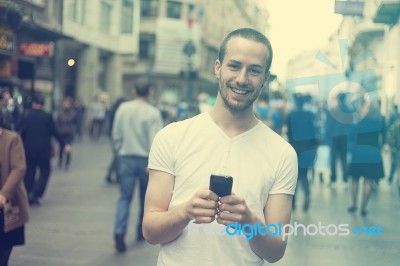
(74, 224)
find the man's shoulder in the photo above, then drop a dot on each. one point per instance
(273, 140)
(184, 125)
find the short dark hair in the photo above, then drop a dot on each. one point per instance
(250, 34)
(143, 88)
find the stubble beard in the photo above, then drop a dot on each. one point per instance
(232, 106)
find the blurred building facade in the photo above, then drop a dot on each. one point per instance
(370, 35)
(102, 36)
(85, 49)
(28, 46)
(179, 39)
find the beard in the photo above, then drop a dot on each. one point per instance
(233, 104)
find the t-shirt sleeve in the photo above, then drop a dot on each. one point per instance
(161, 156)
(286, 174)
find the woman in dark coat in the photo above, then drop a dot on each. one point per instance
(14, 207)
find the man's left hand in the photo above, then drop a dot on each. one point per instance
(233, 208)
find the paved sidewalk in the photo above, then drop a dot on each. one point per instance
(73, 226)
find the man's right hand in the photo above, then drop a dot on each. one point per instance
(202, 207)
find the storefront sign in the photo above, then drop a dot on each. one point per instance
(36, 49)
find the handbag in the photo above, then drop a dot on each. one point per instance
(11, 213)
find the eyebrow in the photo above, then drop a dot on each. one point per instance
(238, 62)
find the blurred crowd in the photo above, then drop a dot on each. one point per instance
(347, 132)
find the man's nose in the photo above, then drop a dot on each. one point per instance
(242, 78)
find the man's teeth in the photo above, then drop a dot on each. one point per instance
(243, 92)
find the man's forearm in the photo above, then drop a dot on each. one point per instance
(163, 227)
(270, 248)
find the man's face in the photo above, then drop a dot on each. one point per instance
(242, 73)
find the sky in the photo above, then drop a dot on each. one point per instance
(298, 25)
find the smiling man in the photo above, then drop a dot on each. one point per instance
(228, 140)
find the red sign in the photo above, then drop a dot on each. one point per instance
(36, 49)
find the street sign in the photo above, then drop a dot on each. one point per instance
(349, 8)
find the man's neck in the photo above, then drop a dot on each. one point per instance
(141, 98)
(233, 123)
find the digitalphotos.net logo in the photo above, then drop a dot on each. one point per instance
(296, 229)
(249, 231)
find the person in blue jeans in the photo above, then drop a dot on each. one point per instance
(135, 124)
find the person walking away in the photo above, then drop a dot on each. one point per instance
(80, 111)
(393, 118)
(113, 167)
(228, 140)
(366, 158)
(262, 110)
(98, 112)
(339, 123)
(38, 128)
(65, 123)
(303, 136)
(393, 139)
(14, 208)
(12, 111)
(135, 125)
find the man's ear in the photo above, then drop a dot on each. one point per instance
(266, 78)
(217, 68)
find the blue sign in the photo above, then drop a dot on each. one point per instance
(349, 8)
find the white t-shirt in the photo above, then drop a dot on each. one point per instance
(260, 162)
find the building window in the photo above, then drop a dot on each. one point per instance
(72, 10)
(147, 47)
(174, 9)
(83, 14)
(127, 16)
(149, 8)
(105, 17)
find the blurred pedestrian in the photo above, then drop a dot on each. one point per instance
(365, 150)
(113, 167)
(182, 213)
(339, 123)
(393, 118)
(262, 110)
(98, 113)
(393, 139)
(37, 130)
(303, 136)
(14, 208)
(80, 111)
(12, 111)
(277, 115)
(135, 125)
(65, 122)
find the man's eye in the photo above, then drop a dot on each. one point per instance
(233, 67)
(255, 71)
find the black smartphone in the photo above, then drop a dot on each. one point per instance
(221, 185)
